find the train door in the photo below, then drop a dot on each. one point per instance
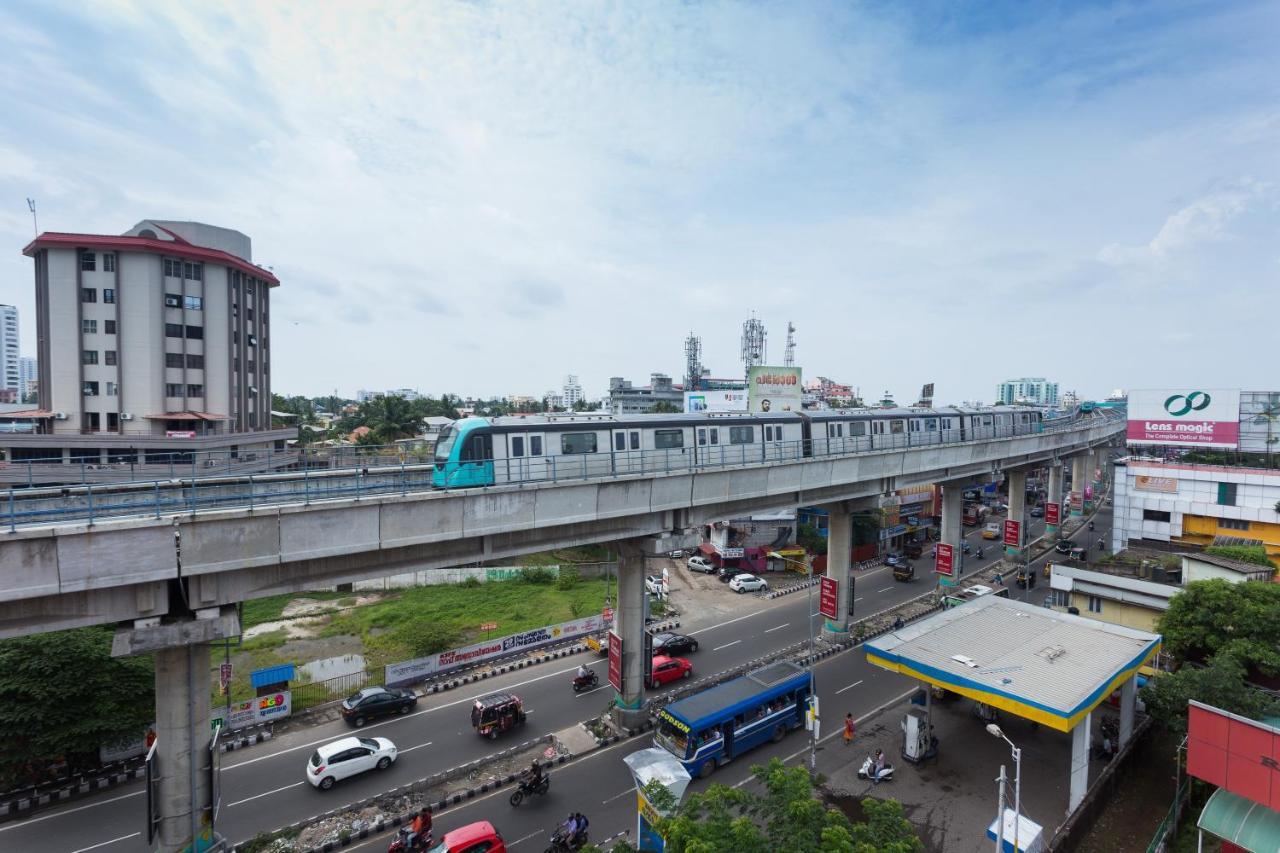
(627, 455)
(476, 460)
(877, 434)
(525, 459)
(707, 449)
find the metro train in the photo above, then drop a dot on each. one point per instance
(479, 451)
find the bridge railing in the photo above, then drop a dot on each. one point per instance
(188, 495)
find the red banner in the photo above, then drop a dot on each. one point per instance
(828, 602)
(1012, 533)
(944, 562)
(1235, 753)
(615, 661)
(1052, 513)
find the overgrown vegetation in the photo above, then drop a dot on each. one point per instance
(1255, 554)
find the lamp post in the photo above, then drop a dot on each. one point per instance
(995, 731)
(813, 684)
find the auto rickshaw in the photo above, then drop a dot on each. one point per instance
(496, 713)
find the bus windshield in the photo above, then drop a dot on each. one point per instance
(444, 444)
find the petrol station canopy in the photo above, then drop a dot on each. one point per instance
(1049, 667)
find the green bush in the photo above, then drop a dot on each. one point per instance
(1255, 554)
(469, 583)
(568, 579)
(536, 575)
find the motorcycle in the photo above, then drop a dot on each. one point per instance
(561, 842)
(528, 789)
(867, 771)
(1091, 525)
(400, 844)
(964, 548)
(589, 682)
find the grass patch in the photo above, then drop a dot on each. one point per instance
(269, 609)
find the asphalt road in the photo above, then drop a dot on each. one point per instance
(264, 787)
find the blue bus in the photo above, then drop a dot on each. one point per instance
(711, 728)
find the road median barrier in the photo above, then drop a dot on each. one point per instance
(22, 803)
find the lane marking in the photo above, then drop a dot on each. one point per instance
(527, 837)
(859, 598)
(618, 796)
(105, 843)
(777, 628)
(62, 812)
(582, 693)
(266, 793)
(726, 645)
(886, 589)
(850, 687)
(412, 748)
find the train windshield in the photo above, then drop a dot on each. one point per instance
(448, 435)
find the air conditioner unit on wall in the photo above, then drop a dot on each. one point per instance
(125, 416)
(59, 416)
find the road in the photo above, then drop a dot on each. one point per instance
(264, 787)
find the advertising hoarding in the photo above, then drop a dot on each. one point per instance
(1187, 416)
(828, 601)
(715, 401)
(1012, 533)
(1167, 485)
(944, 562)
(774, 389)
(1052, 513)
(615, 661)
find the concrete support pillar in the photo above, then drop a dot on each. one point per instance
(1054, 496)
(1079, 762)
(1128, 700)
(1078, 480)
(839, 555)
(630, 627)
(952, 532)
(1089, 468)
(1017, 509)
(182, 747)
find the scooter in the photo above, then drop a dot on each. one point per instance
(561, 842)
(1091, 525)
(525, 789)
(587, 683)
(400, 844)
(868, 771)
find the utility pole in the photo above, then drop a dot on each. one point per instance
(35, 223)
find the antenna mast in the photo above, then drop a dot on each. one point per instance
(754, 347)
(692, 362)
(790, 358)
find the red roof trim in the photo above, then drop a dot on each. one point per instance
(55, 239)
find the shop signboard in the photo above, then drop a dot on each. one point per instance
(774, 389)
(731, 553)
(828, 597)
(1167, 485)
(944, 562)
(715, 401)
(615, 661)
(1052, 513)
(1184, 416)
(1012, 533)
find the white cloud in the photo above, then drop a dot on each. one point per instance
(1206, 220)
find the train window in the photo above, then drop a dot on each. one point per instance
(946, 423)
(740, 435)
(479, 447)
(702, 436)
(768, 433)
(517, 445)
(857, 428)
(578, 442)
(635, 439)
(914, 425)
(895, 426)
(535, 445)
(667, 439)
(715, 434)
(930, 423)
(620, 441)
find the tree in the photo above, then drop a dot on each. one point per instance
(1220, 684)
(391, 417)
(662, 407)
(62, 695)
(811, 539)
(1213, 617)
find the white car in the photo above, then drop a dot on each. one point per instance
(347, 757)
(747, 583)
(701, 564)
(653, 583)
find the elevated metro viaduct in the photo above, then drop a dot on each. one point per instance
(171, 583)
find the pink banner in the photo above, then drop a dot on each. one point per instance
(1212, 433)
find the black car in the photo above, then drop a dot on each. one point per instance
(364, 705)
(1037, 512)
(728, 573)
(1064, 546)
(673, 644)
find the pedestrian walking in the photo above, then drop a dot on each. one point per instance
(848, 729)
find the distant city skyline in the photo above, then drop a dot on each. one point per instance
(942, 193)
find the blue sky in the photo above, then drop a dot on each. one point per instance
(483, 197)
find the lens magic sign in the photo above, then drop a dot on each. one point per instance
(1184, 416)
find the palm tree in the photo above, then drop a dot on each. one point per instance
(1268, 413)
(392, 417)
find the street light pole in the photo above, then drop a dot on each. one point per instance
(813, 682)
(996, 731)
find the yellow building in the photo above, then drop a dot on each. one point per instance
(1117, 599)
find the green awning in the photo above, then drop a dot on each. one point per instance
(1242, 822)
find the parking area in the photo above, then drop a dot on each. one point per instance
(704, 598)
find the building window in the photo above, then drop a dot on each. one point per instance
(88, 294)
(110, 356)
(113, 420)
(1155, 515)
(89, 422)
(108, 263)
(90, 389)
(1061, 598)
(172, 268)
(1095, 604)
(195, 361)
(1226, 494)
(173, 330)
(248, 313)
(173, 389)
(110, 327)
(89, 327)
(193, 303)
(666, 439)
(252, 366)
(89, 356)
(172, 300)
(253, 420)
(194, 271)
(1233, 524)
(195, 390)
(112, 389)
(578, 442)
(253, 340)
(173, 359)
(109, 293)
(87, 261)
(195, 333)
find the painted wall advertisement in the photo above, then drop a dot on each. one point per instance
(415, 670)
(1167, 485)
(1184, 416)
(774, 389)
(715, 401)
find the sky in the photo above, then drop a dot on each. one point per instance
(482, 197)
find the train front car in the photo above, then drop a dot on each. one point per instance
(464, 455)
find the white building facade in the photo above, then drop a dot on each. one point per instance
(1028, 389)
(10, 366)
(572, 391)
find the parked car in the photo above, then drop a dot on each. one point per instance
(673, 644)
(1064, 546)
(728, 573)
(478, 837)
(991, 531)
(701, 564)
(894, 560)
(1037, 512)
(371, 702)
(653, 583)
(666, 669)
(677, 554)
(346, 757)
(747, 583)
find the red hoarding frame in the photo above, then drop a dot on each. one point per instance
(615, 661)
(1235, 753)
(1012, 531)
(828, 597)
(1052, 513)
(944, 562)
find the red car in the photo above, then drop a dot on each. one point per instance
(668, 669)
(478, 837)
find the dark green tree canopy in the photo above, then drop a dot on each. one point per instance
(1241, 620)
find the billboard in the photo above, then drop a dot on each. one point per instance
(1168, 485)
(715, 401)
(1052, 513)
(1184, 416)
(774, 389)
(828, 597)
(1013, 533)
(943, 562)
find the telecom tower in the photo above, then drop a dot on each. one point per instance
(754, 348)
(790, 358)
(692, 362)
